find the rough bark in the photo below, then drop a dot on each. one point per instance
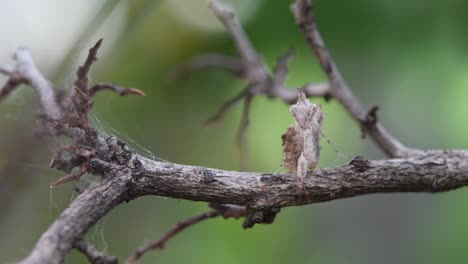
(434, 171)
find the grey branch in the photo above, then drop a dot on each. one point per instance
(251, 68)
(273, 85)
(302, 10)
(82, 214)
(218, 210)
(126, 175)
(25, 71)
(243, 45)
(216, 61)
(434, 171)
(94, 256)
(115, 88)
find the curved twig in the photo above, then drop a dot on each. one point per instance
(225, 211)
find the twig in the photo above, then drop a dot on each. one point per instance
(82, 74)
(9, 86)
(281, 69)
(218, 210)
(317, 90)
(302, 10)
(254, 72)
(244, 47)
(93, 255)
(217, 61)
(159, 244)
(114, 87)
(226, 106)
(70, 177)
(250, 68)
(241, 133)
(25, 71)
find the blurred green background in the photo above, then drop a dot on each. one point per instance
(409, 57)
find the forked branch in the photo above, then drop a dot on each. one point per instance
(125, 175)
(249, 67)
(302, 10)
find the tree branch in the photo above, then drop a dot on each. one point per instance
(75, 221)
(93, 255)
(251, 68)
(181, 226)
(125, 175)
(25, 71)
(302, 10)
(435, 171)
(218, 210)
(82, 74)
(115, 88)
(243, 45)
(217, 61)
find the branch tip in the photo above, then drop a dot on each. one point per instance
(226, 106)
(82, 72)
(115, 88)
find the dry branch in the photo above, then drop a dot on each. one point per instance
(115, 88)
(302, 10)
(24, 71)
(94, 256)
(205, 61)
(250, 67)
(435, 171)
(218, 210)
(125, 175)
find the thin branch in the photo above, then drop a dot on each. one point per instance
(159, 244)
(82, 74)
(302, 10)
(115, 88)
(10, 85)
(25, 71)
(241, 133)
(337, 87)
(281, 69)
(243, 45)
(253, 71)
(226, 106)
(94, 256)
(317, 89)
(226, 211)
(70, 177)
(217, 61)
